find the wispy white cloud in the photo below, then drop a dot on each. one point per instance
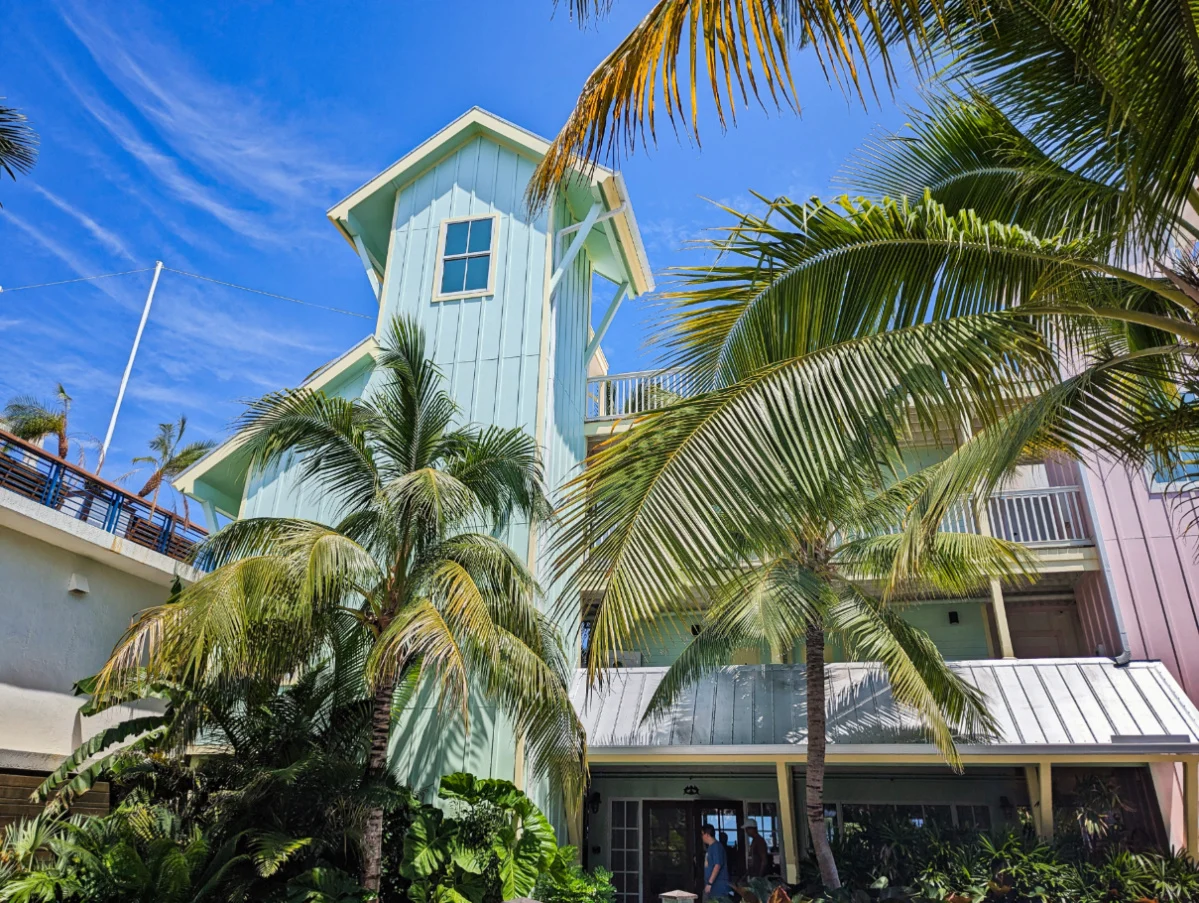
(79, 264)
(167, 170)
(270, 165)
(105, 237)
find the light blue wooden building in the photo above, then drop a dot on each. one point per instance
(505, 297)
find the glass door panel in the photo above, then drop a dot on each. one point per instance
(726, 818)
(672, 849)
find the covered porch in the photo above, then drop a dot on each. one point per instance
(733, 747)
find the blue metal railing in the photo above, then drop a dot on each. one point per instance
(36, 474)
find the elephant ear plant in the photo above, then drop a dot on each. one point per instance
(493, 846)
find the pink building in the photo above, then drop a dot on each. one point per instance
(1149, 554)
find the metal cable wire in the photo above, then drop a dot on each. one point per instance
(244, 288)
(257, 291)
(21, 288)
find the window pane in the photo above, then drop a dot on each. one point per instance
(480, 236)
(455, 238)
(617, 807)
(453, 274)
(976, 818)
(476, 272)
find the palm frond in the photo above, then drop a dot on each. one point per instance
(325, 434)
(1107, 89)
(502, 468)
(746, 48)
(953, 563)
(18, 142)
(655, 511)
(970, 156)
(918, 674)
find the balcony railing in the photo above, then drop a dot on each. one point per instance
(1036, 517)
(1053, 516)
(630, 394)
(34, 473)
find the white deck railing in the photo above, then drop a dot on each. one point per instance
(1050, 516)
(1036, 517)
(1053, 516)
(630, 394)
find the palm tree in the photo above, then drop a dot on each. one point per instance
(410, 577)
(169, 459)
(1056, 172)
(778, 487)
(33, 420)
(18, 142)
(746, 48)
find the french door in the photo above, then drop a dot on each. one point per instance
(673, 852)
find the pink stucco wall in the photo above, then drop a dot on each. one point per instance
(1153, 567)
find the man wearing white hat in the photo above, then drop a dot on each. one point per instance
(757, 862)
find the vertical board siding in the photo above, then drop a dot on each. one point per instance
(489, 350)
(1154, 572)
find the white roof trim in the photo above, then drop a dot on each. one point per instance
(322, 376)
(610, 182)
(475, 117)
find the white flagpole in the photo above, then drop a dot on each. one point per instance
(112, 424)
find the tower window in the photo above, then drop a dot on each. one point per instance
(465, 265)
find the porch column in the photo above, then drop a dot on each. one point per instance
(1190, 804)
(1045, 792)
(787, 817)
(998, 608)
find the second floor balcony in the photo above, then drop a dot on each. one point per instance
(35, 474)
(1044, 516)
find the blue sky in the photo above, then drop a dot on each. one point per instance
(214, 137)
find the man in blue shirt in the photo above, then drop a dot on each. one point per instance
(716, 868)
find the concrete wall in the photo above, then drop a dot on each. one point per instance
(50, 638)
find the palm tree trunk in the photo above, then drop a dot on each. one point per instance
(376, 768)
(817, 741)
(152, 484)
(64, 445)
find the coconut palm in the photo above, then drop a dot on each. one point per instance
(1065, 146)
(779, 488)
(746, 47)
(33, 420)
(18, 142)
(410, 572)
(169, 460)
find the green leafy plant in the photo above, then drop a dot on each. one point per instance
(494, 845)
(568, 882)
(410, 571)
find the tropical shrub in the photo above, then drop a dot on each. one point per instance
(892, 860)
(139, 852)
(567, 882)
(282, 791)
(491, 843)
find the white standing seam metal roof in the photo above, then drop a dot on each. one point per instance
(1084, 706)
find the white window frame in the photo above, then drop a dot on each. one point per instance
(640, 801)
(493, 253)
